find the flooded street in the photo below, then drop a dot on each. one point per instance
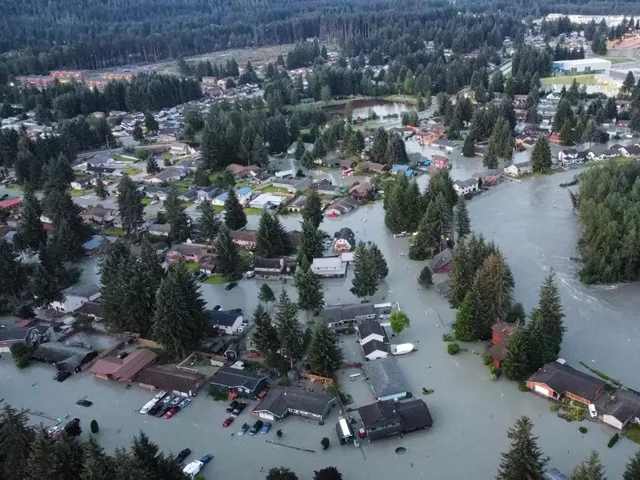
(533, 224)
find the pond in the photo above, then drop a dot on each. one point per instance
(365, 107)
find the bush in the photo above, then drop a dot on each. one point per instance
(447, 337)
(582, 429)
(426, 391)
(494, 377)
(487, 359)
(325, 443)
(453, 348)
(613, 440)
(94, 427)
(218, 395)
(523, 387)
(493, 368)
(555, 407)
(321, 422)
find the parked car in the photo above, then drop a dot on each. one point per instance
(243, 429)
(176, 400)
(232, 406)
(362, 433)
(239, 408)
(217, 307)
(171, 412)
(592, 410)
(250, 274)
(231, 285)
(256, 427)
(183, 455)
(265, 428)
(167, 399)
(156, 408)
(84, 403)
(163, 409)
(207, 458)
(228, 421)
(62, 376)
(184, 402)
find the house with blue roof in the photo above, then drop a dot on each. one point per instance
(243, 194)
(408, 171)
(96, 241)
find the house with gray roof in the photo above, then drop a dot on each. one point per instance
(66, 358)
(466, 187)
(280, 402)
(389, 418)
(386, 379)
(339, 315)
(243, 382)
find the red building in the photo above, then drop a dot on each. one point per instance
(500, 333)
(10, 204)
(440, 162)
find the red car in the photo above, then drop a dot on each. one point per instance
(228, 421)
(332, 214)
(171, 412)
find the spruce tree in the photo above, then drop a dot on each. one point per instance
(177, 218)
(31, 233)
(266, 294)
(426, 277)
(490, 159)
(259, 153)
(470, 324)
(300, 149)
(58, 174)
(319, 148)
(116, 274)
(130, 205)
(381, 267)
(272, 239)
(145, 451)
(312, 209)
(516, 362)
(180, 319)
(495, 287)
(42, 460)
(541, 156)
(413, 207)
(442, 183)
(96, 465)
(379, 148)
(48, 278)
(395, 208)
(632, 470)
(365, 279)
(311, 245)
(310, 294)
(590, 469)
(152, 165)
(433, 228)
(567, 134)
(265, 335)
(208, 222)
(15, 443)
(234, 216)
(229, 260)
(145, 281)
(289, 330)
(325, 356)
(68, 455)
(463, 224)
(524, 460)
(201, 178)
(396, 152)
(462, 273)
(547, 323)
(281, 473)
(101, 190)
(469, 147)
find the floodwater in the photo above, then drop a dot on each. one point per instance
(533, 224)
(364, 108)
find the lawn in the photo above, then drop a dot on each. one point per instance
(15, 186)
(146, 201)
(402, 99)
(634, 433)
(620, 159)
(618, 59)
(131, 171)
(568, 80)
(114, 231)
(253, 211)
(272, 189)
(78, 193)
(193, 266)
(217, 278)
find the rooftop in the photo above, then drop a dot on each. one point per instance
(125, 368)
(371, 327)
(281, 400)
(386, 377)
(563, 378)
(337, 313)
(170, 380)
(234, 377)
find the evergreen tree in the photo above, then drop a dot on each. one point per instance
(463, 224)
(15, 443)
(432, 231)
(13, 277)
(632, 471)
(259, 154)
(208, 222)
(69, 230)
(145, 451)
(152, 165)
(265, 335)
(516, 362)
(490, 159)
(179, 319)
(300, 149)
(58, 174)
(137, 133)
(310, 294)
(289, 330)
(470, 324)
(116, 274)
(48, 278)
(469, 147)
(201, 178)
(325, 356)
(307, 160)
(146, 279)
(396, 152)
(590, 469)
(266, 294)
(229, 260)
(420, 103)
(379, 148)
(272, 239)
(395, 196)
(31, 233)
(399, 322)
(590, 131)
(68, 455)
(365, 278)
(524, 459)
(234, 216)
(130, 205)
(426, 277)
(101, 190)
(42, 460)
(541, 156)
(96, 465)
(547, 324)
(281, 473)
(567, 133)
(495, 287)
(312, 209)
(176, 217)
(442, 183)
(381, 268)
(462, 273)
(629, 84)
(150, 123)
(319, 148)
(311, 244)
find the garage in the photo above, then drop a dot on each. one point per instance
(266, 416)
(541, 390)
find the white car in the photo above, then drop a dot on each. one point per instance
(592, 410)
(250, 274)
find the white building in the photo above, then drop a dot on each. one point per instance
(329, 267)
(466, 187)
(228, 321)
(518, 169)
(76, 297)
(267, 199)
(583, 66)
(244, 195)
(568, 155)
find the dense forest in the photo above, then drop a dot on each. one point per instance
(42, 35)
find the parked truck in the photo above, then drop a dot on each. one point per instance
(193, 468)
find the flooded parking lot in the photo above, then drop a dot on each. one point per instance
(534, 226)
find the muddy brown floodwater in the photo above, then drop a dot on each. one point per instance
(534, 226)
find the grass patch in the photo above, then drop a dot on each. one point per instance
(253, 211)
(568, 80)
(15, 186)
(216, 279)
(618, 59)
(602, 375)
(193, 266)
(131, 171)
(114, 231)
(145, 201)
(79, 193)
(447, 337)
(272, 189)
(634, 433)
(402, 98)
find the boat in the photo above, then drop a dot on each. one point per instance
(152, 402)
(402, 348)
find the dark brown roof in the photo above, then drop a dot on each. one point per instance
(498, 351)
(245, 236)
(502, 328)
(563, 379)
(171, 380)
(126, 368)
